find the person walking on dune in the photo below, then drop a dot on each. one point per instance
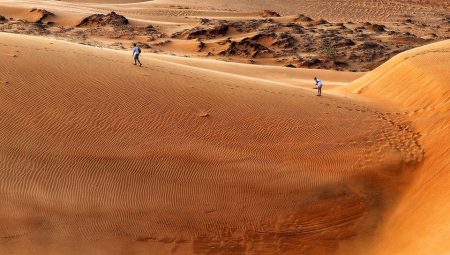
(136, 54)
(319, 86)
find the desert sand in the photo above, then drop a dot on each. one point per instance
(195, 154)
(417, 83)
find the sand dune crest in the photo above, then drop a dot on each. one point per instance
(416, 82)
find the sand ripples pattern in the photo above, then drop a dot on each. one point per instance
(93, 148)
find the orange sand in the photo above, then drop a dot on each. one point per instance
(199, 156)
(99, 149)
(417, 84)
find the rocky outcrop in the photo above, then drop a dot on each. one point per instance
(269, 13)
(39, 15)
(99, 20)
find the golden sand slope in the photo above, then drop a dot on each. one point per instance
(100, 156)
(292, 76)
(417, 83)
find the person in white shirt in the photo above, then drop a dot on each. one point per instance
(319, 86)
(136, 54)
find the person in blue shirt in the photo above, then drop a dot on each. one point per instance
(319, 86)
(136, 54)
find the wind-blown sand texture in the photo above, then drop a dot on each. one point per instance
(201, 156)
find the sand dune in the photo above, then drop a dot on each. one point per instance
(291, 76)
(342, 11)
(416, 83)
(98, 155)
(215, 146)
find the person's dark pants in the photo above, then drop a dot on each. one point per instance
(319, 91)
(136, 59)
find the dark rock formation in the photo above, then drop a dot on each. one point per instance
(269, 13)
(42, 14)
(99, 20)
(303, 18)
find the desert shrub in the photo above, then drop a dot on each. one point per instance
(329, 51)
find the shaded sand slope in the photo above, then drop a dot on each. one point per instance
(417, 84)
(100, 156)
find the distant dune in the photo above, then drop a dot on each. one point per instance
(344, 10)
